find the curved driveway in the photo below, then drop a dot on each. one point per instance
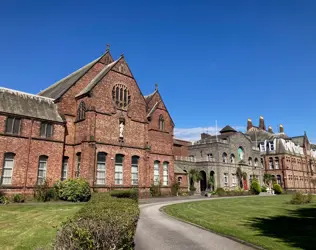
(156, 230)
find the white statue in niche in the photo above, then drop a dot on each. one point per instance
(121, 129)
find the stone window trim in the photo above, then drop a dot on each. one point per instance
(121, 96)
(64, 169)
(119, 169)
(100, 175)
(81, 112)
(226, 179)
(135, 170)
(7, 170)
(224, 156)
(46, 130)
(42, 169)
(161, 123)
(13, 125)
(156, 172)
(232, 158)
(165, 176)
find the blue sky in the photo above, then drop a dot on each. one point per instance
(213, 60)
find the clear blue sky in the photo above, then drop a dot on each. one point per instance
(213, 60)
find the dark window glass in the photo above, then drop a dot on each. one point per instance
(13, 125)
(9, 126)
(43, 129)
(46, 130)
(119, 158)
(135, 159)
(49, 130)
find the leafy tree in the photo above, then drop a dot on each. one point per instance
(268, 179)
(195, 176)
(211, 182)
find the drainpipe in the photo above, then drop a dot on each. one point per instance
(28, 154)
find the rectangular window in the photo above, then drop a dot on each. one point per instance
(42, 167)
(78, 163)
(156, 173)
(271, 146)
(262, 147)
(7, 170)
(165, 174)
(233, 180)
(226, 179)
(134, 169)
(101, 168)
(13, 125)
(46, 130)
(64, 170)
(119, 169)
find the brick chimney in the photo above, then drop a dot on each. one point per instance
(281, 128)
(249, 124)
(270, 130)
(261, 123)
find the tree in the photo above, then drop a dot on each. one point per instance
(195, 176)
(268, 179)
(211, 182)
(239, 174)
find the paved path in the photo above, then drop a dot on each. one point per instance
(157, 231)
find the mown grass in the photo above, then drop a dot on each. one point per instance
(32, 226)
(269, 222)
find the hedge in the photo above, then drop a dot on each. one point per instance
(103, 223)
(129, 193)
(73, 190)
(277, 189)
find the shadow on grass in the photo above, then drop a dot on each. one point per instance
(298, 229)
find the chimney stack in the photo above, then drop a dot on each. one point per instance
(249, 124)
(281, 128)
(270, 130)
(261, 123)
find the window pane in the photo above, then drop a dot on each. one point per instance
(49, 130)
(119, 159)
(9, 125)
(135, 160)
(43, 129)
(64, 169)
(16, 126)
(101, 157)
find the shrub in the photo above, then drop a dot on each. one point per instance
(255, 187)
(129, 193)
(309, 198)
(277, 189)
(42, 191)
(175, 189)
(220, 192)
(73, 190)
(18, 198)
(298, 198)
(103, 223)
(263, 189)
(155, 190)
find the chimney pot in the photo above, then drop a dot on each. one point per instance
(261, 123)
(249, 124)
(270, 129)
(281, 128)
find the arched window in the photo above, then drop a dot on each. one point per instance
(256, 162)
(240, 153)
(78, 163)
(232, 158)
(165, 173)
(156, 172)
(161, 123)
(42, 168)
(101, 168)
(7, 170)
(271, 163)
(121, 96)
(224, 157)
(135, 160)
(64, 170)
(279, 179)
(210, 157)
(250, 161)
(81, 115)
(119, 159)
(276, 161)
(179, 180)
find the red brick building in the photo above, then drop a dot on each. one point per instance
(95, 123)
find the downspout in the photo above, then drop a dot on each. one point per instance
(28, 154)
(285, 184)
(94, 153)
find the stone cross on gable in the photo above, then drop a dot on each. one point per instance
(107, 47)
(156, 86)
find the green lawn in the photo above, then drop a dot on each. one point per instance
(32, 226)
(270, 222)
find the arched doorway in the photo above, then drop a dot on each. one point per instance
(203, 181)
(211, 184)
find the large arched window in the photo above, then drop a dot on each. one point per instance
(7, 170)
(64, 170)
(81, 115)
(156, 173)
(161, 123)
(42, 169)
(121, 96)
(224, 157)
(240, 153)
(135, 160)
(119, 159)
(101, 168)
(165, 173)
(232, 158)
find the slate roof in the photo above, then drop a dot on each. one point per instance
(299, 140)
(313, 146)
(178, 170)
(56, 90)
(257, 134)
(148, 97)
(24, 104)
(227, 129)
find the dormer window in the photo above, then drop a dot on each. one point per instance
(262, 147)
(271, 146)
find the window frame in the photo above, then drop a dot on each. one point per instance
(6, 159)
(46, 134)
(78, 164)
(165, 173)
(161, 123)
(134, 181)
(12, 127)
(101, 171)
(117, 172)
(64, 168)
(156, 170)
(226, 179)
(81, 112)
(41, 179)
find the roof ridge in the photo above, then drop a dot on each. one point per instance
(13, 91)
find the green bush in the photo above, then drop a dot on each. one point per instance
(129, 193)
(73, 190)
(263, 189)
(277, 189)
(175, 189)
(309, 198)
(155, 190)
(298, 198)
(103, 223)
(18, 198)
(42, 191)
(255, 187)
(220, 192)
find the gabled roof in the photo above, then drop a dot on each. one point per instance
(56, 90)
(227, 129)
(299, 140)
(148, 97)
(24, 104)
(178, 170)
